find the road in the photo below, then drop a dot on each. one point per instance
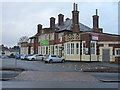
(68, 75)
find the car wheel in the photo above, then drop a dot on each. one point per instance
(63, 61)
(42, 59)
(50, 61)
(46, 62)
(33, 59)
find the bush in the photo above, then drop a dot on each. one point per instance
(12, 56)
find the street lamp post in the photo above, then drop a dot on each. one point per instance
(15, 63)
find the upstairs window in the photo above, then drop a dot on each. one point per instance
(52, 36)
(60, 35)
(117, 52)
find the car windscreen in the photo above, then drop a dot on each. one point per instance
(53, 56)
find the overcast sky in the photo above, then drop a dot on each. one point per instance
(21, 18)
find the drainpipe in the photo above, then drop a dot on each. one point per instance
(80, 49)
(90, 45)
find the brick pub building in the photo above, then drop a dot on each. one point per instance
(73, 40)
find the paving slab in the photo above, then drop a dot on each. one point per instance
(55, 76)
(106, 77)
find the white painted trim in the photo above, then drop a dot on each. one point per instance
(82, 46)
(95, 47)
(116, 52)
(111, 53)
(106, 42)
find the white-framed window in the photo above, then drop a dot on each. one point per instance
(52, 36)
(52, 49)
(59, 49)
(60, 35)
(93, 48)
(117, 51)
(77, 48)
(46, 50)
(72, 48)
(42, 37)
(41, 50)
(83, 47)
(68, 48)
(46, 37)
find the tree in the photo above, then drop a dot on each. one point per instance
(23, 39)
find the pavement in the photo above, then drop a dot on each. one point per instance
(106, 77)
(57, 84)
(55, 76)
(69, 74)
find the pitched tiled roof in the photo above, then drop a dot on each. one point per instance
(68, 26)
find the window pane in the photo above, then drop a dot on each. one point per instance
(93, 48)
(77, 48)
(68, 48)
(117, 52)
(72, 48)
(84, 46)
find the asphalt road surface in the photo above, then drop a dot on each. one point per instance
(77, 79)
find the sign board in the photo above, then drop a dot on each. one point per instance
(44, 42)
(71, 37)
(95, 37)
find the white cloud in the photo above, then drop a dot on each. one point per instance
(21, 19)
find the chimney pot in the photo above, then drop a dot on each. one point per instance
(96, 20)
(75, 18)
(67, 19)
(52, 22)
(60, 19)
(39, 27)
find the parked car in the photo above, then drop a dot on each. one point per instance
(26, 57)
(36, 57)
(53, 58)
(18, 56)
(4, 57)
(22, 57)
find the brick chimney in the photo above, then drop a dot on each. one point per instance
(96, 20)
(96, 23)
(39, 27)
(75, 18)
(52, 22)
(60, 19)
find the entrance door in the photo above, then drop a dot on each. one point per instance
(106, 55)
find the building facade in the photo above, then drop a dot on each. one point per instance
(73, 40)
